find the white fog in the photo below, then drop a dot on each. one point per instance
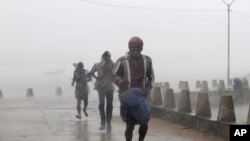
(187, 40)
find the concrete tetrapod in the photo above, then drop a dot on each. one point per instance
(185, 85)
(221, 85)
(156, 96)
(214, 83)
(184, 103)
(169, 101)
(58, 91)
(29, 92)
(1, 94)
(230, 82)
(245, 83)
(165, 86)
(198, 84)
(203, 106)
(204, 87)
(157, 84)
(248, 117)
(180, 85)
(226, 109)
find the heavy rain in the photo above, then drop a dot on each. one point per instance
(41, 41)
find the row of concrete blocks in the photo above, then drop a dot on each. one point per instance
(203, 85)
(30, 92)
(226, 108)
(221, 84)
(1, 94)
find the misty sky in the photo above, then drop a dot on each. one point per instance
(187, 43)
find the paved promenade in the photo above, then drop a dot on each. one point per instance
(53, 119)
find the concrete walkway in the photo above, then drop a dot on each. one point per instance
(53, 119)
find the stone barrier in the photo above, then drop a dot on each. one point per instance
(245, 84)
(156, 96)
(59, 91)
(184, 103)
(169, 101)
(204, 125)
(214, 83)
(221, 85)
(204, 101)
(166, 85)
(185, 85)
(203, 106)
(248, 116)
(181, 84)
(229, 82)
(1, 94)
(204, 87)
(226, 109)
(157, 84)
(198, 84)
(29, 92)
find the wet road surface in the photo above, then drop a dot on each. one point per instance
(53, 119)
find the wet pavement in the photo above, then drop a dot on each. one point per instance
(53, 119)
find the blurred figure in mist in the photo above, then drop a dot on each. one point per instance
(237, 83)
(105, 88)
(81, 78)
(134, 74)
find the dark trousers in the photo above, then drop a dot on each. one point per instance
(130, 125)
(105, 116)
(78, 105)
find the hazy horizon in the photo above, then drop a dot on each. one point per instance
(187, 40)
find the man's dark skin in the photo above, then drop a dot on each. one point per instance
(135, 62)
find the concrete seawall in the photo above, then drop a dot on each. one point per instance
(211, 112)
(207, 126)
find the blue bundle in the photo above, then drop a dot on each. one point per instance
(135, 104)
